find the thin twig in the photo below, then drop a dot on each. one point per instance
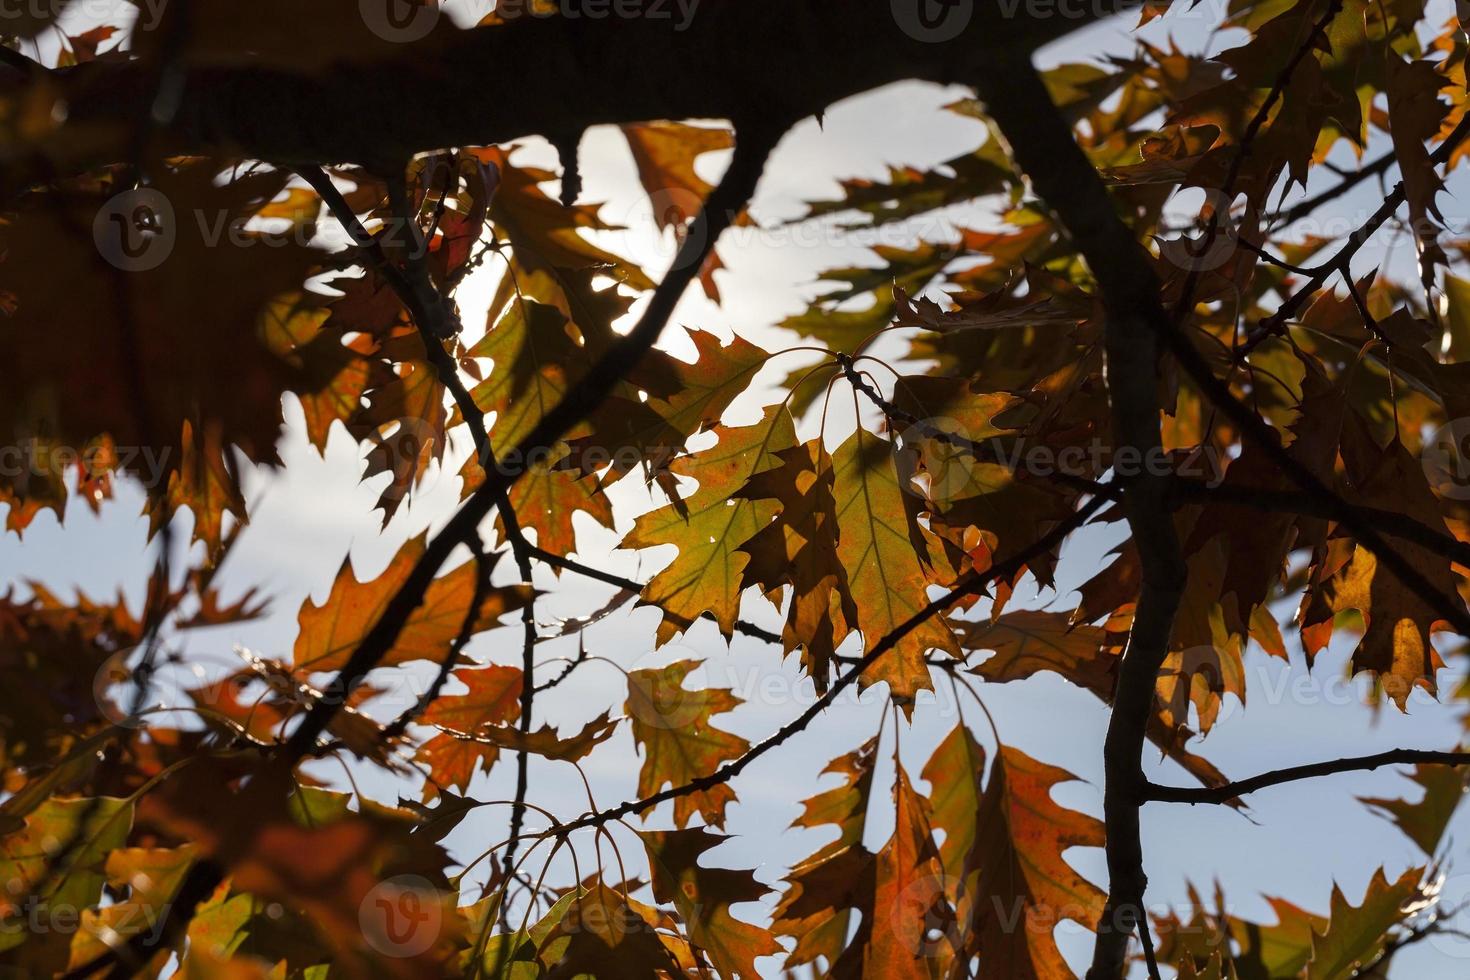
(1305, 207)
(1229, 792)
(466, 629)
(725, 201)
(971, 584)
(1342, 259)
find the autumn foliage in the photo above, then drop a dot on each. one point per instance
(228, 204)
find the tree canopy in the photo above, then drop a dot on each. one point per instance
(1168, 329)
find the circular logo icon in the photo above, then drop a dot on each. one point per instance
(1200, 253)
(399, 21)
(403, 448)
(678, 209)
(113, 691)
(934, 21)
(923, 912)
(1204, 252)
(1196, 675)
(401, 916)
(942, 456)
(669, 687)
(1444, 895)
(1446, 459)
(135, 230)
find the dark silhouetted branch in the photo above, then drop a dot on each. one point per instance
(971, 584)
(1312, 504)
(1229, 792)
(1342, 259)
(571, 72)
(754, 142)
(1043, 145)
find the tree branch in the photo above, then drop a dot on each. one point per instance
(1342, 259)
(1043, 145)
(970, 584)
(727, 200)
(570, 73)
(754, 142)
(1305, 207)
(1312, 504)
(1229, 792)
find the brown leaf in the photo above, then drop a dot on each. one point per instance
(330, 632)
(492, 698)
(1025, 885)
(703, 897)
(671, 723)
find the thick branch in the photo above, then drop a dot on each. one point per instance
(1044, 147)
(792, 58)
(1270, 500)
(725, 201)
(1229, 792)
